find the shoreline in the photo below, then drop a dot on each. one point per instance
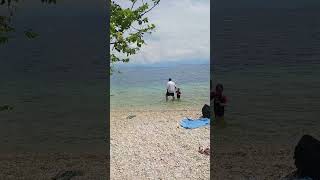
(154, 110)
(169, 108)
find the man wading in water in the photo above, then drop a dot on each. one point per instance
(171, 88)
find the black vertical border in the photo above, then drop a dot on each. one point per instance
(212, 10)
(108, 89)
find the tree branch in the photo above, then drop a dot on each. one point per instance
(133, 3)
(154, 5)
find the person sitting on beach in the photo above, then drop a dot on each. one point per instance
(171, 87)
(219, 102)
(178, 92)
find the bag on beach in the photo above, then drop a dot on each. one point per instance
(206, 111)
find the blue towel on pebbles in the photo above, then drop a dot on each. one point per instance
(192, 124)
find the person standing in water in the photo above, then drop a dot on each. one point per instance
(178, 93)
(171, 88)
(219, 103)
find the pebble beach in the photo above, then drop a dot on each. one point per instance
(150, 144)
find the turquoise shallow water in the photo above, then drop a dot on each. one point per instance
(144, 87)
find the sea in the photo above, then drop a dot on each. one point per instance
(268, 60)
(143, 87)
(56, 83)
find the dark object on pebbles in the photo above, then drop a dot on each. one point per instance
(131, 116)
(307, 157)
(206, 111)
(205, 151)
(67, 175)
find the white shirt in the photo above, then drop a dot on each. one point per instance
(171, 87)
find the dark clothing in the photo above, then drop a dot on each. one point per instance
(170, 94)
(218, 109)
(178, 94)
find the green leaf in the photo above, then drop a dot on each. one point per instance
(128, 27)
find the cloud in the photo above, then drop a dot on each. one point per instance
(182, 32)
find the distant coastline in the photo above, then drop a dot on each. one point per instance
(164, 63)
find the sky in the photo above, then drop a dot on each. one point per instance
(182, 33)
